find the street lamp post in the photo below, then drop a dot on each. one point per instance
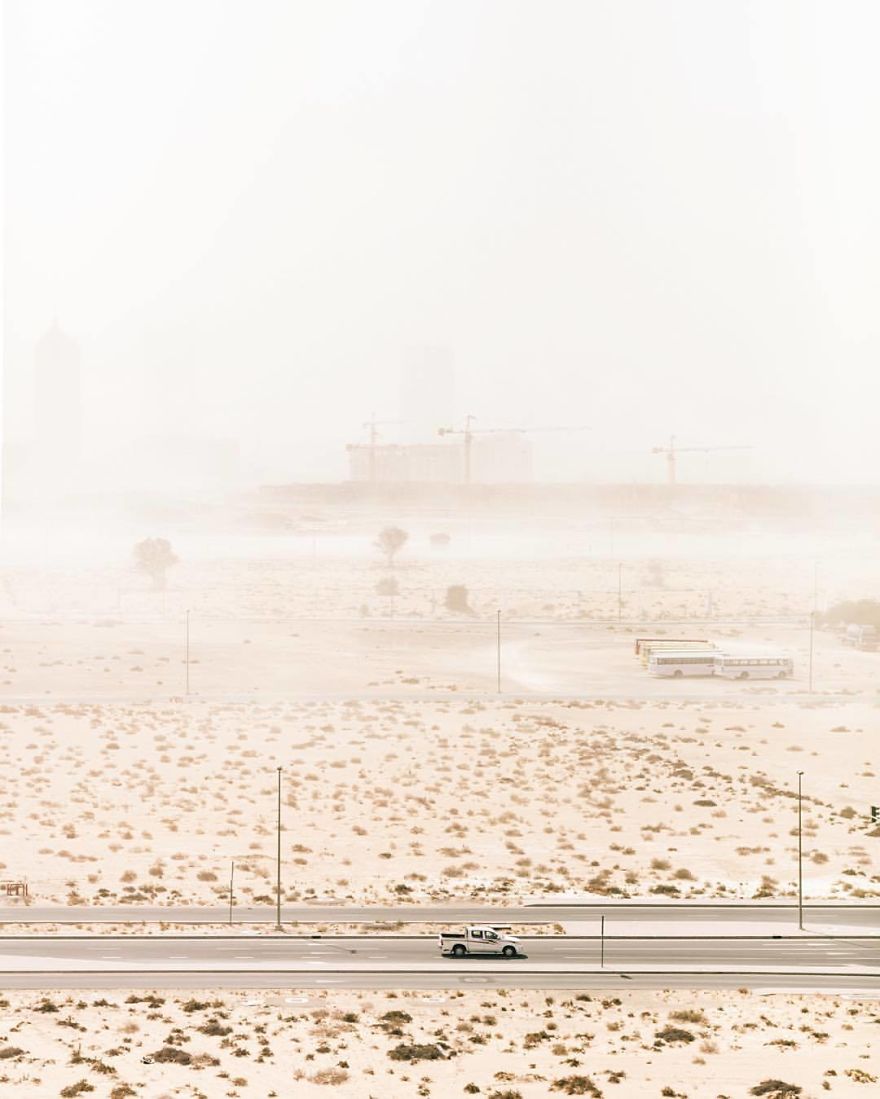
(812, 626)
(187, 652)
(800, 856)
(602, 939)
(498, 652)
(231, 880)
(278, 926)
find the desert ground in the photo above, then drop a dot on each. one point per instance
(417, 799)
(494, 1044)
(406, 774)
(134, 770)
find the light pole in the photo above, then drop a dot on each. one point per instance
(187, 652)
(812, 621)
(278, 926)
(619, 590)
(231, 880)
(602, 939)
(498, 651)
(800, 856)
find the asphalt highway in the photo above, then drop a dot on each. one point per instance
(265, 961)
(863, 916)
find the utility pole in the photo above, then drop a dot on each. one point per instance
(468, 442)
(187, 652)
(373, 436)
(619, 590)
(278, 926)
(602, 941)
(800, 857)
(812, 624)
(498, 650)
(231, 879)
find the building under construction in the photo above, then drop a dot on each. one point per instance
(502, 457)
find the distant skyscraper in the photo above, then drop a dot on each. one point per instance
(57, 444)
(427, 393)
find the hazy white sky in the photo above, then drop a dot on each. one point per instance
(651, 216)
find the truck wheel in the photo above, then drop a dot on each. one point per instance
(459, 950)
(509, 951)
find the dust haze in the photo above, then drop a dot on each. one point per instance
(440, 469)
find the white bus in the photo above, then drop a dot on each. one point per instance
(645, 646)
(678, 663)
(739, 666)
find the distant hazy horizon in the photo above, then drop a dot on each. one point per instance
(648, 218)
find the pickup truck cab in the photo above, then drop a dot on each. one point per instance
(480, 939)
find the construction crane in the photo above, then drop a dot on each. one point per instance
(373, 424)
(672, 451)
(468, 432)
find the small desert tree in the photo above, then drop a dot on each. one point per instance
(457, 599)
(388, 587)
(390, 541)
(154, 557)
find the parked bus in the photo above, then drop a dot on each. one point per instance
(647, 645)
(680, 662)
(739, 666)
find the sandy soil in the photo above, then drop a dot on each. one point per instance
(117, 786)
(496, 1044)
(547, 572)
(409, 800)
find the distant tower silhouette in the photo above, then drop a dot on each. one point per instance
(57, 412)
(427, 393)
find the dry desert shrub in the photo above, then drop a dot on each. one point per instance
(689, 1015)
(331, 1076)
(414, 1051)
(674, 1034)
(576, 1085)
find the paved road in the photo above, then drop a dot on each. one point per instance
(865, 916)
(252, 961)
(770, 981)
(227, 951)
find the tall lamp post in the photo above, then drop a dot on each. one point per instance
(800, 855)
(278, 926)
(498, 652)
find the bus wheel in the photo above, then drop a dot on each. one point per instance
(677, 673)
(743, 675)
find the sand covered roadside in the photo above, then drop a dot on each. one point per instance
(409, 801)
(387, 1045)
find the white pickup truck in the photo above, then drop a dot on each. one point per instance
(480, 939)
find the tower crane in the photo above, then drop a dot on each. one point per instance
(468, 432)
(672, 451)
(373, 424)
